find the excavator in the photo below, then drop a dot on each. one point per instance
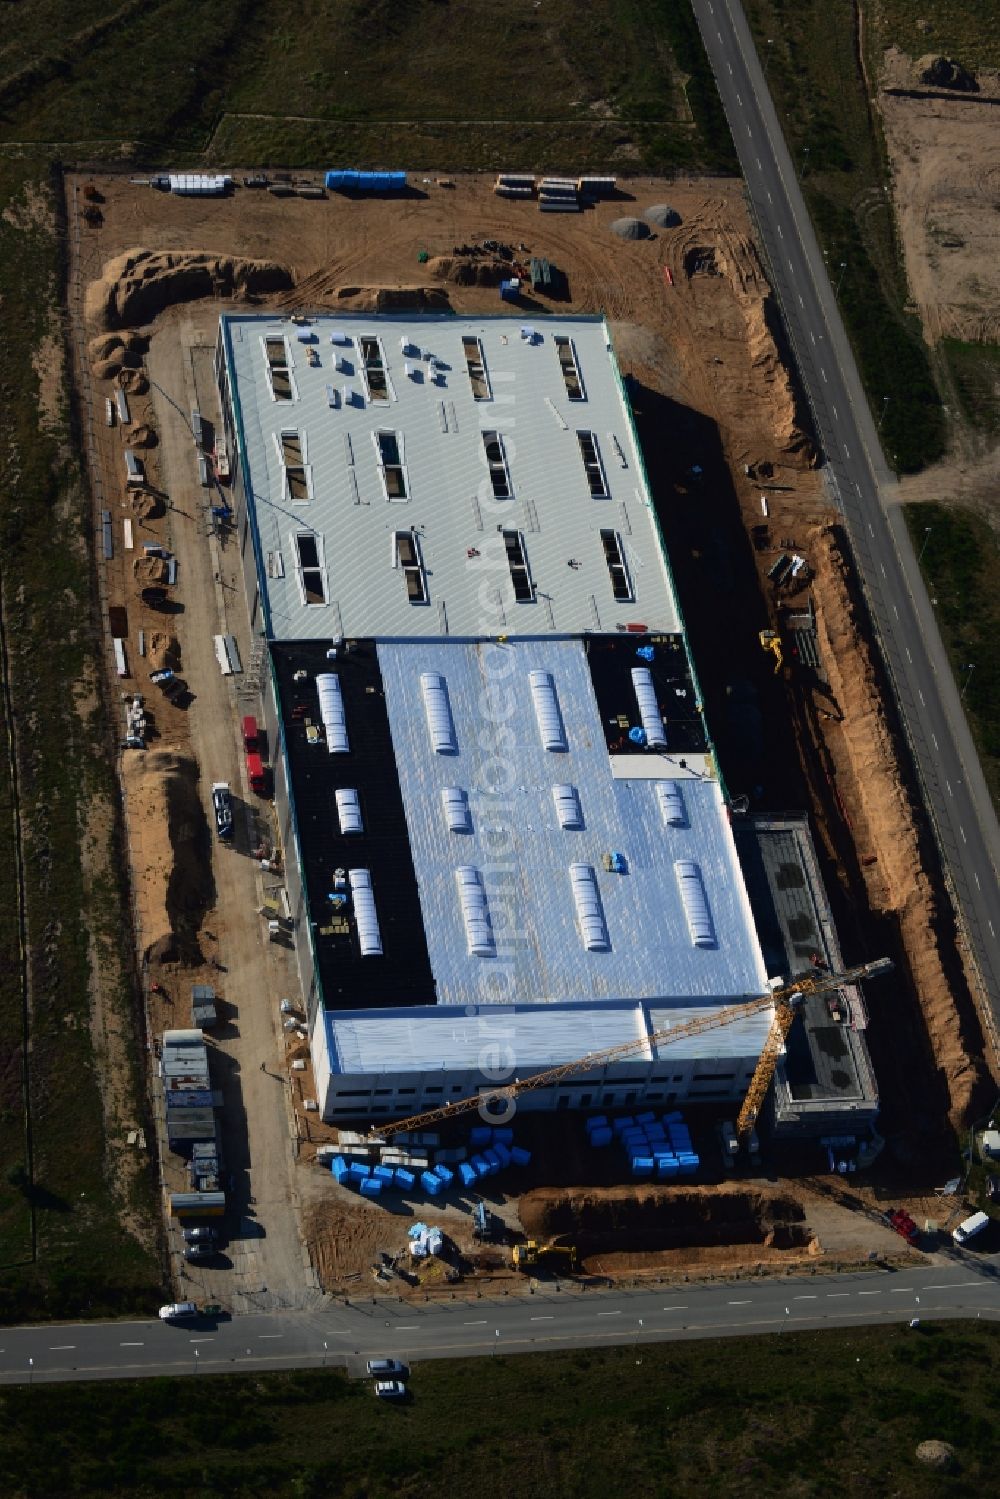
(786, 1002)
(526, 1256)
(771, 641)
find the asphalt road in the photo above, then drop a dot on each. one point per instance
(345, 1336)
(955, 792)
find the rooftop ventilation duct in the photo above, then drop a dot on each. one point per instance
(649, 708)
(438, 709)
(475, 912)
(668, 794)
(589, 910)
(550, 723)
(349, 810)
(695, 902)
(456, 809)
(331, 710)
(365, 917)
(567, 800)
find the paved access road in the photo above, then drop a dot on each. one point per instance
(345, 1336)
(954, 789)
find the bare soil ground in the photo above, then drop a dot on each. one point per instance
(693, 322)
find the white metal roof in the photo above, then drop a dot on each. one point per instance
(525, 855)
(459, 572)
(461, 1039)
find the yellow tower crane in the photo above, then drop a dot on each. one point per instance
(785, 1001)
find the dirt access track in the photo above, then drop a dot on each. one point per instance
(692, 320)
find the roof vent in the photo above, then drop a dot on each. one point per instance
(589, 911)
(365, 917)
(649, 708)
(695, 902)
(567, 800)
(456, 809)
(550, 723)
(438, 709)
(349, 810)
(668, 794)
(475, 912)
(331, 710)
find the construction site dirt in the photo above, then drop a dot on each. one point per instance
(732, 470)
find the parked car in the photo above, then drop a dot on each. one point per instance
(390, 1389)
(178, 1311)
(388, 1368)
(200, 1235)
(993, 1187)
(222, 803)
(206, 1250)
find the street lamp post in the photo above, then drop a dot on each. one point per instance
(768, 55)
(885, 407)
(840, 278)
(805, 160)
(969, 667)
(927, 537)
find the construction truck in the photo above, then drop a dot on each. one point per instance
(530, 1254)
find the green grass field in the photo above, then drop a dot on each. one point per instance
(806, 1414)
(968, 30)
(960, 556)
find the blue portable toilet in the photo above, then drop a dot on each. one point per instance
(372, 1187)
(597, 1121)
(481, 1165)
(384, 1174)
(676, 1117)
(481, 1135)
(445, 1173)
(642, 1165)
(492, 1160)
(503, 1135)
(339, 1167)
(431, 1184)
(360, 1171)
(468, 1173)
(601, 1137)
(519, 1156)
(625, 1122)
(404, 1178)
(648, 1118)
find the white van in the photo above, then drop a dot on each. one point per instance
(971, 1226)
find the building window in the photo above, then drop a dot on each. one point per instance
(353, 1093)
(297, 474)
(496, 460)
(373, 367)
(591, 455)
(407, 1092)
(570, 368)
(279, 371)
(517, 561)
(309, 549)
(406, 555)
(434, 1090)
(382, 1092)
(614, 556)
(389, 446)
(476, 365)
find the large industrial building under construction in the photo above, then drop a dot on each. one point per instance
(506, 840)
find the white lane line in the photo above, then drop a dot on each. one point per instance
(948, 785)
(823, 373)
(212, 1340)
(956, 1285)
(869, 1293)
(131, 1345)
(769, 198)
(543, 1319)
(728, 64)
(962, 831)
(902, 1291)
(680, 1307)
(801, 303)
(871, 528)
(882, 570)
(834, 410)
(810, 1297)
(740, 1303)
(934, 741)
(759, 167)
(921, 697)
(976, 878)
(480, 1322)
(739, 101)
(780, 235)
(61, 1347)
(791, 268)
(908, 656)
(407, 1327)
(847, 451)
(265, 1335)
(609, 1314)
(992, 932)
(835, 1295)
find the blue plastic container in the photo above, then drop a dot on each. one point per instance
(655, 1132)
(468, 1173)
(445, 1173)
(339, 1167)
(674, 1118)
(601, 1136)
(503, 1151)
(404, 1178)
(372, 1187)
(519, 1156)
(646, 1118)
(642, 1165)
(597, 1121)
(360, 1171)
(431, 1184)
(481, 1135)
(492, 1160)
(503, 1135)
(384, 1174)
(626, 1122)
(481, 1165)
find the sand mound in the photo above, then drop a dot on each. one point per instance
(163, 651)
(651, 1218)
(885, 823)
(769, 370)
(107, 369)
(139, 435)
(133, 381)
(151, 569)
(105, 345)
(630, 229)
(143, 505)
(461, 271)
(170, 846)
(936, 1454)
(139, 284)
(662, 215)
(386, 298)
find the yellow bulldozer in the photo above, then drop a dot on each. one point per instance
(531, 1253)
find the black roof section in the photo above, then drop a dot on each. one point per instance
(612, 658)
(402, 975)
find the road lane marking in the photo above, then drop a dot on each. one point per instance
(780, 235)
(769, 198)
(957, 1285)
(902, 1291)
(680, 1307)
(823, 373)
(869, 1293)
(549, 1318)
(212, 1340)
(61, 1347)
(962, 831)
(728, 64)
(908, 656)
(934, 741)
(759, 167)
(871, 528)
(801, 303)
(791, 268)
(834, 410)
(480, 1322)
(847, 451)
(405, 1327)
(609, 1314)
(740, 1303)
(265, 1335)
(948, 784)
(835, 1295)
(921, 697)
(809, 1297)
(882, 570)
(131, 1345)
(739, 101)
